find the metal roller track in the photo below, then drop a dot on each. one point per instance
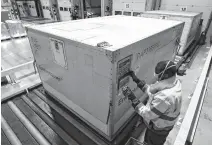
(35, 118)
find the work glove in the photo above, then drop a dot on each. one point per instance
(127, 92)
(140, 83)
(134, 77)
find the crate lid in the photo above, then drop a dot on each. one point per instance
(175, 13)
(118, 31)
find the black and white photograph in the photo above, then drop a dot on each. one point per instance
(106, 72)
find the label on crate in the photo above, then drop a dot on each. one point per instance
(58, 52)
(123, 67)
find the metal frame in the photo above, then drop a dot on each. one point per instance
(16, 68)
(82, 8)
(9, 95)
(102, 8)
(10, 72)
(192, 134)
(13, 80)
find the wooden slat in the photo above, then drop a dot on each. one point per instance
(196, 98)
(50, 122)
(17, 127)
(66, 121)
(70, 116)
(44, 129)
(4, 140)
(30, 127)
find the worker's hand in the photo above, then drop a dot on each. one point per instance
(142, 85)
(128, 93)
(127, 74)
(136, 79)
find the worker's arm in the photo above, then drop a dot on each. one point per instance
(149, 89)
(156, 108)
(140, 83)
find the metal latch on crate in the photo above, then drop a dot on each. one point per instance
(103, 44)
(164, 17)
(133, 141)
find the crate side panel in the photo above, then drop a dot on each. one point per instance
(84, 79)
(145, 55)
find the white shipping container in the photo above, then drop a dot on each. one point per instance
(4, 32)
(133, 7)
(32, 8)
(45, 7)
(16, 28)
(21, 9)
(204, 6)
(5, 15)
(65, 6)
(84, 76)
(191, 19)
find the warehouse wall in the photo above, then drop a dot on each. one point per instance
(204, 6)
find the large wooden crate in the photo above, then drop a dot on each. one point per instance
(133, 7)
(191, 19)
(84, 76)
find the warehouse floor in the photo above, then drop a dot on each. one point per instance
(204, 128)
(18, 52)
(189, 82)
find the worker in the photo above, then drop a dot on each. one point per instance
(164, 104)
(107, 12)
(75, 12)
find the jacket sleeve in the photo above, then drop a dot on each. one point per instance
(156, 108)
(153, 89)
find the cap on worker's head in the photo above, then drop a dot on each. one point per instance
(165, 69)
